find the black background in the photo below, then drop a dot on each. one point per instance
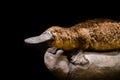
(31, 62)
(22, 19)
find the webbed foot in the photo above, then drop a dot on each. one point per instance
(52, 50)
(55, 50)
(79, 59)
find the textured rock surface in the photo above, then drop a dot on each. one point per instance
(102, 66)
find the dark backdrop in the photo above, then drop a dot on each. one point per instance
(33, 56)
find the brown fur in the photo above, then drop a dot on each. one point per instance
(96, 34)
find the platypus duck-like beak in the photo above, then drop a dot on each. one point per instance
(45, 36)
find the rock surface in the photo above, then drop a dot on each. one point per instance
(101, 66)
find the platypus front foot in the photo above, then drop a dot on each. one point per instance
(79, 59)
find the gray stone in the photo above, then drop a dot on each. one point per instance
(101, 66)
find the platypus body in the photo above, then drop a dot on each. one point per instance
(95, 35)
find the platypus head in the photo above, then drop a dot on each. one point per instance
(49, 36)
(45, 36)
(55, 36)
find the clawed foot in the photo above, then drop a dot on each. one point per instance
(55, 50)
(52, 50)
(79, 59)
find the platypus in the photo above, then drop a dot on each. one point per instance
(93, 35)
